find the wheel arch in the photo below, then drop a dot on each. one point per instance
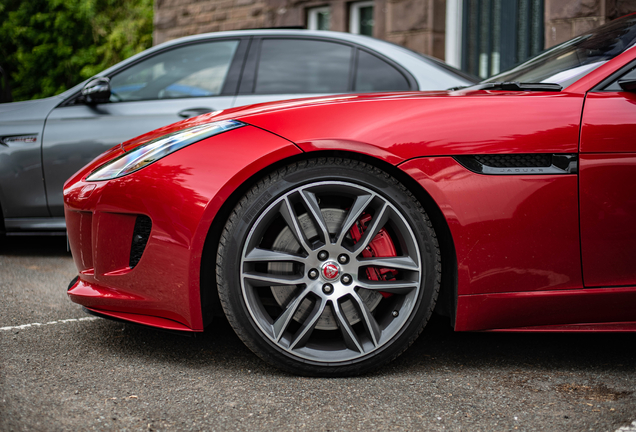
(447, 299)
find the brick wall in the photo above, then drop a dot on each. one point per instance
(177, 18)
(416, 24)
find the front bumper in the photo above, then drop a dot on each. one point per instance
(157, 282)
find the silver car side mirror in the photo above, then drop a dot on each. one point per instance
(97, 91)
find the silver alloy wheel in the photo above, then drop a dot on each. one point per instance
(322, 281)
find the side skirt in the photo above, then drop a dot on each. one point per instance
(618, 327)
(578, 310)
(35, 226)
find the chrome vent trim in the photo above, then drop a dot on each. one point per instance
(521, 163)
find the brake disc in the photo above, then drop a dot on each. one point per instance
(286, 242)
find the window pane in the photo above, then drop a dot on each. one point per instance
(567, 62)
(319, 18)
(497, 34)
(366, 20)
(303, 66)
(188, 71)
(323, 20)
(374, 74)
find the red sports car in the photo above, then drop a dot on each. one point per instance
(329, 229)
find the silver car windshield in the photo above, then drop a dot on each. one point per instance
(566, 63)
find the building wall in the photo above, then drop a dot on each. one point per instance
(177, 18)
(566, 19)
(415, 24)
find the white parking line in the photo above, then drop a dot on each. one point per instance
(629, 428)
(25, 326)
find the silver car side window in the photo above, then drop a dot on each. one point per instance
(303, 66)
(187, 71)
(374, 74)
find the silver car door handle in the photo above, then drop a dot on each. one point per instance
(191, 112)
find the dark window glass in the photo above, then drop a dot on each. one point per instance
(187, 71)
(303, 66)
(374, 74)
(567, 62)
(366, 20)
(497, 34)
(324, 20)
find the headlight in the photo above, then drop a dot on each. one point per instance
(157, 148)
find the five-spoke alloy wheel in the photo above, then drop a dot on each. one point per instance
(328, 267)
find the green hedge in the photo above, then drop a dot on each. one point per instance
(48, 46)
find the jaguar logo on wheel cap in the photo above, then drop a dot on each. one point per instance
(330, 270)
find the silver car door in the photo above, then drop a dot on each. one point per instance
(22, 192)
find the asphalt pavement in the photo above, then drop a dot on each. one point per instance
(61, 369)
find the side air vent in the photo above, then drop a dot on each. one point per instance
(141, 234)
(515, 160)
(516, 164)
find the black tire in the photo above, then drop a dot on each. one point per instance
(350, 313)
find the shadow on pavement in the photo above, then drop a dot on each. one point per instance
(34, 246)
(439, 347)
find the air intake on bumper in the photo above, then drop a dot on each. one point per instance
(141, 234)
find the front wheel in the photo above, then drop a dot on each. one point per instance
(328, 267)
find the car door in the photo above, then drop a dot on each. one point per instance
(163, 88)
(608, 184)
(280, 68)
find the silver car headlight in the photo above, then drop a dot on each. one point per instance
(157, 148)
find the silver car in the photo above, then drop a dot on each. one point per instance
(43, 142)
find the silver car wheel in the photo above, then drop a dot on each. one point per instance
(305, 280)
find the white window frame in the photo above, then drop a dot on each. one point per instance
(454, 16)
(312, 16)
(354, 15)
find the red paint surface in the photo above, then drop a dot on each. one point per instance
(404, 126)
(543, 308)
(511, 233)
(609, 124)
(608, 189)
(608, 218)
(144, 319)
(626, 327)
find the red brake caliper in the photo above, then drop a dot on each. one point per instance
(380, 246)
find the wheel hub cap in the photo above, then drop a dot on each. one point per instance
(330, 271)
